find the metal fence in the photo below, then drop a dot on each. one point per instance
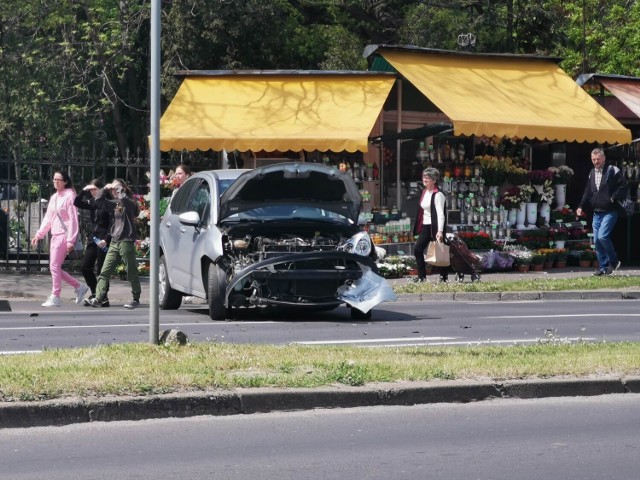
(26, 186)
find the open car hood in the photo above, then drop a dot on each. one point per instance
(307, 184)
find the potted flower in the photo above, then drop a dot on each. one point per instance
(561, 257)
(586, 258)
(549, 257)
(559, 236)
(561, 177)
(522, 260)
(537, 261)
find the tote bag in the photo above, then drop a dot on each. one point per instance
(437, 254)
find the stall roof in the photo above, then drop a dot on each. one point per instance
(274, 110)
(516, 96)
(626, 89)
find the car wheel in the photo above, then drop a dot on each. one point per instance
(169, 299)
(215, 292)
(359, 314)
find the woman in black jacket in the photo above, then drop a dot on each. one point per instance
(98, 240)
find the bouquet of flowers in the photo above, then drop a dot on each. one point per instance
(167, 183)
(515, 196)
(539, 177)
(393, 267)
(558, 233)
(477, 240)
(517, 175)
(522, 257)
(494, 170)
(543, 192)
(561, 175)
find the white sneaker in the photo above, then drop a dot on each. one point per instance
(52, 301)
(81, 291)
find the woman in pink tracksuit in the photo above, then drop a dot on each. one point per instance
(61, 220)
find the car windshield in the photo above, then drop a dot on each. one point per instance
(224, 183)
(288, 212)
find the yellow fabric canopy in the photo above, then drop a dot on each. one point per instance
(508, 97)
(274, 112)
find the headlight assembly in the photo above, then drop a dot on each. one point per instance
(359, 244)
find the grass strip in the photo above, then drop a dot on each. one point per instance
(538, 284)
(143, 369)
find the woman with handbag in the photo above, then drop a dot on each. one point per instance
(430, 222)
(61, 220)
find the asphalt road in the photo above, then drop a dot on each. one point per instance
(565, 438)
(30, 328)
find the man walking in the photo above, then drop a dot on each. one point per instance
(605, 187)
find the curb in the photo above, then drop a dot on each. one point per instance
(518, 296)
(263, 400)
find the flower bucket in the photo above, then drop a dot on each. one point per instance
(532, 213)
(561, 195)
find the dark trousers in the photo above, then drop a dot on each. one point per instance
(418, 250)
(92, 262)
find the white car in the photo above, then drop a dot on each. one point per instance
(284, 236)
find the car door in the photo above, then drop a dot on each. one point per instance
(172, 233)
(192, 242)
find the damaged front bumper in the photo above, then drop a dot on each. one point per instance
(314, 280)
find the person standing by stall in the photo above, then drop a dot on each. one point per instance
(430, 221)
(61, 220)
(606, 186)
(179, 177)
(98, 240)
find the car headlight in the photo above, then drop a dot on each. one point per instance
(359, 244)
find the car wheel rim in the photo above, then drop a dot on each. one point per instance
(162, 281)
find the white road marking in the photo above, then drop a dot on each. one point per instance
(435, 342)
(373, 340)
(516, 341)
(570, 315)
(137, 325)
(20, 352)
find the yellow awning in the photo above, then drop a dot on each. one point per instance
(274, 112)
(508, 97)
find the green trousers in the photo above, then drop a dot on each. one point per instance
(124, 252)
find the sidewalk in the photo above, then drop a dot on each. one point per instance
(16, 285)
(36, 286)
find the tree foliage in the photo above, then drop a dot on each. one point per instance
(76, 70)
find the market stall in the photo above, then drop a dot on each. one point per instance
(504, 109)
